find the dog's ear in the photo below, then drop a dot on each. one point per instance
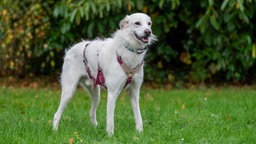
(124, 22)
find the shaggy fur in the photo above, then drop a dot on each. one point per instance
(134, 34)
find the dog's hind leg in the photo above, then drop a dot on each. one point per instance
(69, 81)
(95, 98)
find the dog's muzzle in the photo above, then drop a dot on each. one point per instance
(145, 38)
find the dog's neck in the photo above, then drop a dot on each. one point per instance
(132, 59)
(136, 50)
(131, 51)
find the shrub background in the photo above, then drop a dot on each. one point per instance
(202, 41)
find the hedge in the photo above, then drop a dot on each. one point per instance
(203, 41)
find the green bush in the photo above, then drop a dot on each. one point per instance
(204, 41)
(25, 28)
(225, 43)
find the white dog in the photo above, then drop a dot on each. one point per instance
(113, 63)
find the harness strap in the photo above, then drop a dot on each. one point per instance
(130, 72)
(99, 80)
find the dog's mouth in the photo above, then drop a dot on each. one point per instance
(144, 39)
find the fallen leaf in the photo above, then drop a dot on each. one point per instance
(183, 106)
(71, 141)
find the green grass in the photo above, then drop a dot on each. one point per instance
(226, 115)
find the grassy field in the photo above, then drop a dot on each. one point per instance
(216, 115)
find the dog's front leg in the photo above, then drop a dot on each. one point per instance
(134, 99)
(111, 103)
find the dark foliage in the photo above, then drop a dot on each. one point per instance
(203, 41)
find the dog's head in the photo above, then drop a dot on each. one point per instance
(138, 26)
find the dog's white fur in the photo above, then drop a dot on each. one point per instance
(74, 72)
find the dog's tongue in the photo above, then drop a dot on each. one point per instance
(144, 39)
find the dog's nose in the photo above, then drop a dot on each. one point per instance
(147, 32)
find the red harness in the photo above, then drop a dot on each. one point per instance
(100, 79)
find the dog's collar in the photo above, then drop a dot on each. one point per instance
(137, 51)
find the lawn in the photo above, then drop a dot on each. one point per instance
(214, 115)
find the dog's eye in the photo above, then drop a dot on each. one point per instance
(149, 23)
(137, 23)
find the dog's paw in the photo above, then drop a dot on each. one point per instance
(110, 134)
(110, 131)
(55, 124)
(56, 121)
(93, 119)
(139, 129)
(94, 122)
(55, 127)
